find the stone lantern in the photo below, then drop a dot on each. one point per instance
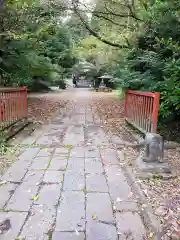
(104, 77)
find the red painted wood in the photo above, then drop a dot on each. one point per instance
(141, 110)
(13, 105)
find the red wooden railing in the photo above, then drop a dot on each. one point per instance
(141, 110)
(13, 106)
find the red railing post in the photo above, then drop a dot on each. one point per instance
(141, 110)
(155, 112)
(25, 102)
(125, 104)
(3, 102)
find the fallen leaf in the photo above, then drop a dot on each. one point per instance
(94, 217)
(20, 238)
(68, 145)
(161, 211)
(35, 198)
(150, 236)
(3, 182)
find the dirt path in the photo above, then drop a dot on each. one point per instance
(68, 182)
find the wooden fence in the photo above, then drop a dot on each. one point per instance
(141, 110)
(13, 106)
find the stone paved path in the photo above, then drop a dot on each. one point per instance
(68, 184)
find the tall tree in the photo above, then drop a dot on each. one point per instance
(34, 42)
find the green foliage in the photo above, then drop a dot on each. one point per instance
(34, 44)
(76, 27)
(153, 61)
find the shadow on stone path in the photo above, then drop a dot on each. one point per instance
(68, 184)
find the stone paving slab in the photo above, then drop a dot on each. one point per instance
(93, 165)
(29, 140)
(76, 165)
(29, 154)
(100, 231)
(89, 119)
(32, 178)
(130, 224)
(16, 172)
(40, 163)
(68, 236)
(16, 220)
(21, 200)
(49, 196)
(47, 140)
(118, 185)
(71, 212)
(61, 152)
(45, 152)
(96, 183)
(43, 213)
(55, 133)
(39, 224)
(53, 177)
(74, 135)
(103, 210)
(6, 191)
(57, 164)
(77, 152)
(43, 140)
(95, 135)
(125, 206)
(78, 119)
(71, 186)
(64, 121)
(74, 181)
(92, 152)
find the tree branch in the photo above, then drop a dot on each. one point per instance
(95, 34)
(132, 15)
(110, 20)
(108, 12)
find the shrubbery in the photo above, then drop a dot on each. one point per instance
(34, 45)
(153, 62)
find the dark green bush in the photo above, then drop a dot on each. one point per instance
(153, 63)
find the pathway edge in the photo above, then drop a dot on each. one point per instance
(147, 214)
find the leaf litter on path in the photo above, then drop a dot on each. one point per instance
(41, 109)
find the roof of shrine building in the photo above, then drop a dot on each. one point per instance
(106, 76)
